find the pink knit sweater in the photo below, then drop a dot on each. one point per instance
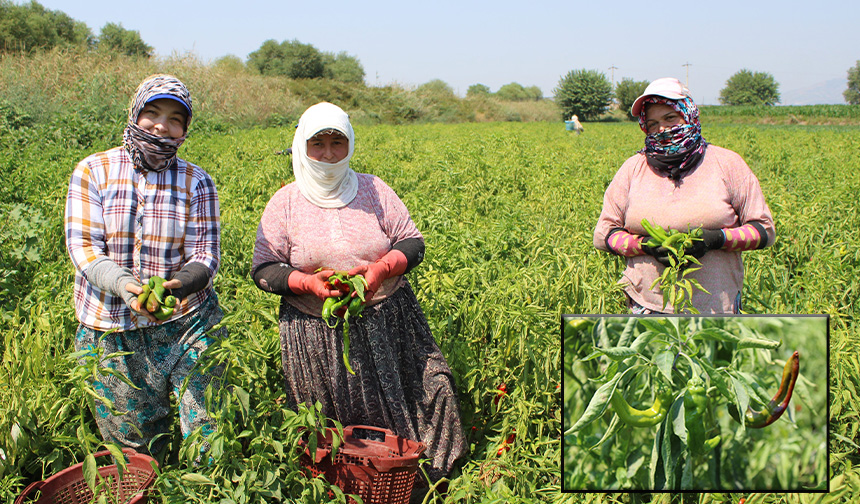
(722, 192)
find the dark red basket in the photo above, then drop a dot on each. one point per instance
(373, 463)
(69, 486)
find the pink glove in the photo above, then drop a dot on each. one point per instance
(303, 283)
(390, 265)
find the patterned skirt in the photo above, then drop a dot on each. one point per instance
(402, 381)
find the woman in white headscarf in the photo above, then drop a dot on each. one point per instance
(332, 218)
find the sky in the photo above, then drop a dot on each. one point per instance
(803, 44)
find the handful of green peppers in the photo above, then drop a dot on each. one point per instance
(154, 299)
(345, 306)
(677, 288)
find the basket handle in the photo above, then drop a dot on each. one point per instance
(32, 487)
(347, 431)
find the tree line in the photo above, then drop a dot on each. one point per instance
(589, 94)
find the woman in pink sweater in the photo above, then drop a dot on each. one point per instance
(680, 181)
(332, 218)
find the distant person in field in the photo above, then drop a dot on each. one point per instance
(332, 218)
(577, 126)
(134, 212)
(680, 181)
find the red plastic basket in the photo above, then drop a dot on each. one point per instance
(69, 487)
(380, 471)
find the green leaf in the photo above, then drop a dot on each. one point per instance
(664, 361)
(91, 472)
(597, 405)
(196, 479)
(617, 353)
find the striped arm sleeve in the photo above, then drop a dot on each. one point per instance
(747, 237)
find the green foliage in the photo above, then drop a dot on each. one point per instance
(508, 230)
(585, 93)
(476, 90)
(302, 61)
(117, 39)
(343, 68)
(626, 93)
(31, 27)
(852, 93)
(230, 65)
(750, 88)
(292, 59)
(512, 92)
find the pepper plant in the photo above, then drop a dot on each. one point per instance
(663, 398)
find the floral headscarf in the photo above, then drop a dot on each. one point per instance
(327, 185)
(148, 151)
(680, 148)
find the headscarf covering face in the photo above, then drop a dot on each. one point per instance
(679, 148)
(148, 151)
(326, 185)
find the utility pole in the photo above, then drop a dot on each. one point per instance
(612, 69)
(688, 73)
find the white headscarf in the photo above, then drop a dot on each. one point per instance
(326, 185)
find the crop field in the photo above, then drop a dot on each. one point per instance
(507, 211)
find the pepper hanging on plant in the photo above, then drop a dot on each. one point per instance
(697, 418)
(777, 406)
(642, 418)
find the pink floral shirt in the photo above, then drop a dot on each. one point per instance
(296, 232)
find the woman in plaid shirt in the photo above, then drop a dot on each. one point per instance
(134, 212)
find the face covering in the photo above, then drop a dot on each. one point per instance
(327, 185)
(148, 151)
(681, 147)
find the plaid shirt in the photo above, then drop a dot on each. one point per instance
(150, 222)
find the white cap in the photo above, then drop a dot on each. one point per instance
(667, 87)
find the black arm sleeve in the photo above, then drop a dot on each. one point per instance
(194, 277)
(413, 249)
(272, 277)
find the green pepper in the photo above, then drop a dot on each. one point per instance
(356, 306)
(141, 298)
(164, 312)
(157, 287)
(152, 303)
(337, 304)
(778, 404)
(697, 418)
(642, 418)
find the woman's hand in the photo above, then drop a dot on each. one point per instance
(390, 265)
(660, 253)
(135, 305)
(712, 239)
(316, 284)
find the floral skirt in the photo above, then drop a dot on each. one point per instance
(401, 383)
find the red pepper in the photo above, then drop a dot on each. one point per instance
(507, 444)
(501, 391)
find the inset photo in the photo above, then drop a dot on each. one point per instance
(707, 404)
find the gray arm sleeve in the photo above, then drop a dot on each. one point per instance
(110, 277)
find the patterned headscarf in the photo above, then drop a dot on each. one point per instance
(326, 185)
(148, 151)
(679, 148)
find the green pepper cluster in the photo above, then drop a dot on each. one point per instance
(345, 306)
(698, 418)
(154, 300)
